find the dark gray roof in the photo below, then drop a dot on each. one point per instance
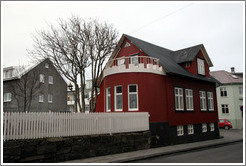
(169, 59)
(187, 54)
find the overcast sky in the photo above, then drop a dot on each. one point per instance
(174, 25)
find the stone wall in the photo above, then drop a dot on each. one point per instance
(70, 148)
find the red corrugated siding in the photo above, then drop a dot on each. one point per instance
(129, 50)
(151, 93)
(185, 117)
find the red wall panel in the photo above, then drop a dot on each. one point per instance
(189, 117)
(151, 93)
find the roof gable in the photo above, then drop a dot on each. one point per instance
(168, 59)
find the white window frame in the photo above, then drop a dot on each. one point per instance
(134, 60)
(240, 89)
(204, 127)
(46, 65)
(180, 130)
(226, 107)
(211, 126)
(179, 99)
(50, 98)
(127, 45)
(41, 98)
(41, 78)
(132, 93)
(190, 129)
(223, 92)
(120, 61)
(7, 97)
(189, 100)
(200, 66)
(210, 101)
(108, 97)
(203, 100)
(51, 80)
(115, 96)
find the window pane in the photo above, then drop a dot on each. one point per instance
(109, 103)
(133, 101)
(119, 102)
(119, 89)
(109, 89)
(133, 88)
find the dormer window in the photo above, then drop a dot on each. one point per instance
(200, 66)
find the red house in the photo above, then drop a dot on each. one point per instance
(173, 86)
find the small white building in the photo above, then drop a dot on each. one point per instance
(230, 96)
(71, 98)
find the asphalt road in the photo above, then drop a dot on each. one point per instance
(232, 153)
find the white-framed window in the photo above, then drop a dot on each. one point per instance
(118, 98)
(120, 61)
(210, 101)
(50, 98)
(41, 98)
(41, 78)
(204, 127)
(203, 101)
(190, 129)
(189, 99)
(134, 60)
(225, 108)
(7, 97)
(179, 100)
(132, 97)
(8, 73)
(187, 64)
(240, 88)
(180, 130)
(223, 91)
(200, 66)
(211, 126)
(127, 45)
(108, 99)
(46, 65)
(50, 79)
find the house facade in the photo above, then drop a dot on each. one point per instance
(39, 88)
(71, 98)
(173, 86)
(230, 96)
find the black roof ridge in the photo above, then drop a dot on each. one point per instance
(148, 42)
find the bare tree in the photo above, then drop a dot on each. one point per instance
(101, 39)
(25, 88)
(72, 47)
(62, 45)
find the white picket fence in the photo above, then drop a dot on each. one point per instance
(42, 125)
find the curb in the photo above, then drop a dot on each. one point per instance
(174, 151)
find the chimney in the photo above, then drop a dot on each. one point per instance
(232, 70)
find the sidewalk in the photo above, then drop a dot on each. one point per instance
(230, 136)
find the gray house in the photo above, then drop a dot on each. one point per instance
(39, 88)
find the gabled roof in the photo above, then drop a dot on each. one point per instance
(169, 59)
(187, 54)
(225, 77)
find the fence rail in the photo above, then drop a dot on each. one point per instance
(18, 125)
